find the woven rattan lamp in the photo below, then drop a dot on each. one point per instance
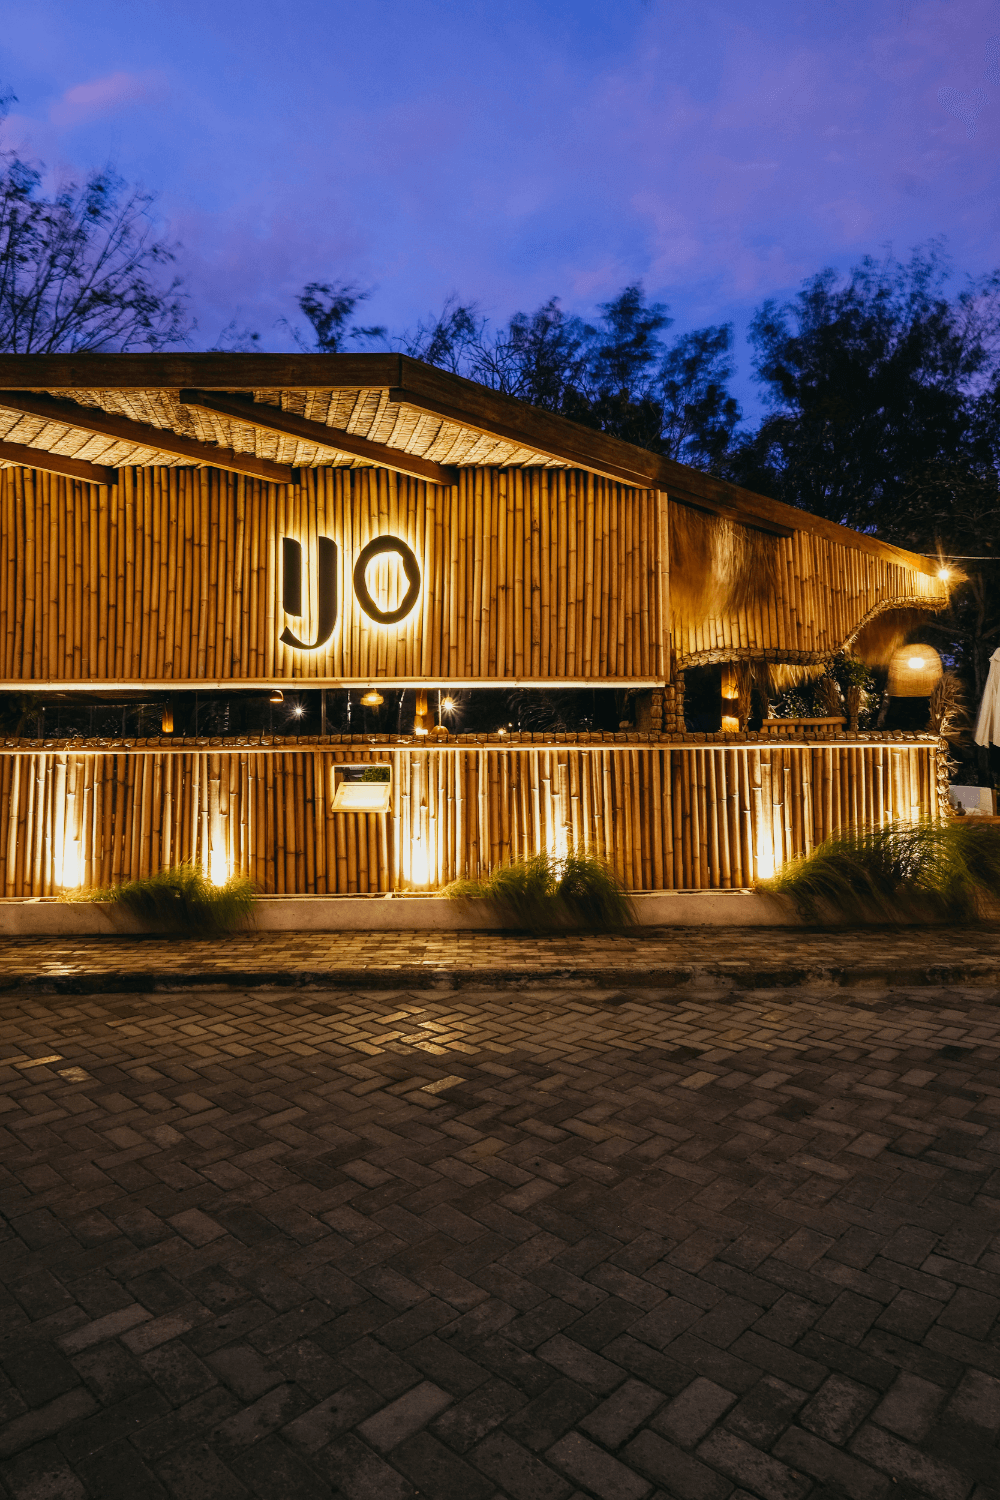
(913, 672)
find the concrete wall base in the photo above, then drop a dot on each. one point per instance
(50, 917)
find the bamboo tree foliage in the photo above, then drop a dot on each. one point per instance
(83, 267)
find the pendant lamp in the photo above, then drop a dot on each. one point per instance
(914, 671)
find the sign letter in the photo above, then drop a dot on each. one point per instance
(291, 590)
(374, 549)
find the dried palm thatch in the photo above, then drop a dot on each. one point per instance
(717, 566)
(947, 709)
(884, 633)
(827, 698)
(786, 675)
(743, 679)
(764, 683)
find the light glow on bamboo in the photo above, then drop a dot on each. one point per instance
(722, 815)
(69, 869)
(420, 865)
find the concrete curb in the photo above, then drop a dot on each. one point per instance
(717, 977)
(50, 917)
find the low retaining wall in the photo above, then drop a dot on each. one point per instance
(48, 917)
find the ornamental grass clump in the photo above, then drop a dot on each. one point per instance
(183, 900)
(550, 893)
(946, 871)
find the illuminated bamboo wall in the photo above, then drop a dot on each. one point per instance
(799, 598)
(173, 574)
(696, 817)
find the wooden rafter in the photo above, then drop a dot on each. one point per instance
(544, 435)
(109, 424)
(578, 453)
(55, 463)
(273, 419)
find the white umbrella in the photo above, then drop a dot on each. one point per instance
(988, 724)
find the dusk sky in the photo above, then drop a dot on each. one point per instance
(506, 152)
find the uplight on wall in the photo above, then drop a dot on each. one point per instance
(219, 869)
(420, 865)
(69, 869)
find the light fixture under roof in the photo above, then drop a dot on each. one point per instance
(372, 699)
(277, 696)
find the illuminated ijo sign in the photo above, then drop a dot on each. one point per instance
(326, 585)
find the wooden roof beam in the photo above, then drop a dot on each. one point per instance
(645, 473)
(109, 424)
(576, 454)
(741, 517)
(55, 463)
(274, 419)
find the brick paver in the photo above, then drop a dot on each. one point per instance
(667, 955)
(549, 1242)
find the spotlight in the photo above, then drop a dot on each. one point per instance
(277, 696)
(944, 574)
(298, 711)
(448, 705)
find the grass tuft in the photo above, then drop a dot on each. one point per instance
(183, 899)
(945, 871)
(545, 893)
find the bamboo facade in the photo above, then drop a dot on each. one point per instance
(824, 591)
(669, 816)
(172, 575)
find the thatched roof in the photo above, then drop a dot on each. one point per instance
(268, 414)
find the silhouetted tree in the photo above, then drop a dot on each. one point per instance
(83, 268)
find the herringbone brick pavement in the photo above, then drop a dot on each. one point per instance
(675, 955)
(542, 1244)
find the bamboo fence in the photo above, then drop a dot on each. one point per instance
(173, 575)
(669, 817)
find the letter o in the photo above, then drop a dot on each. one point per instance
(411, 568)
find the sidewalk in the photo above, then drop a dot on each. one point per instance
(747, 958)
